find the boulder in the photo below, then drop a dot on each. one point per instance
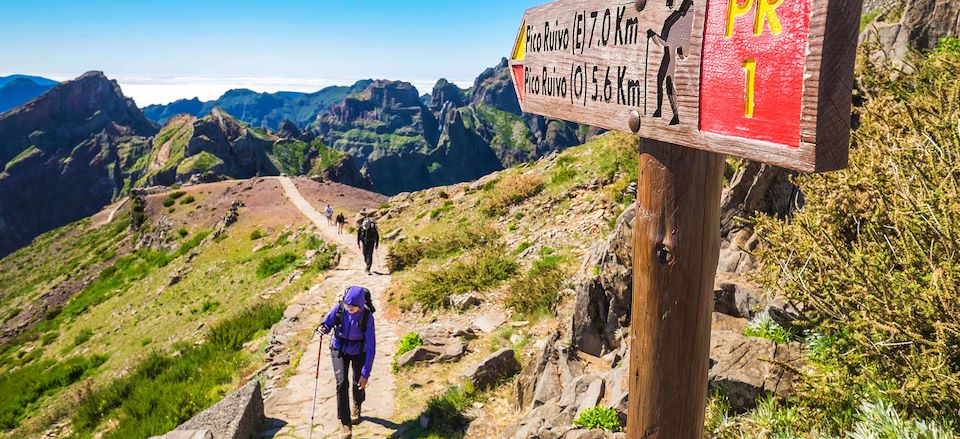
(463, 301)
(736, 299)
(493, 369)
(591, 396)
(746, 368)
(186, 434)
(433, 353)
(782, 312)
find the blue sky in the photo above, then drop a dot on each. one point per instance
(162, 51)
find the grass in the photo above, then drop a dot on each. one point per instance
(511, 190)
(165, 389)
(257, 234)
(765, 327)
(485, 268)
(272, 265)
(410, 252)
(24, 388)
(599, 418)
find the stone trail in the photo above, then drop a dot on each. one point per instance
(288, 408)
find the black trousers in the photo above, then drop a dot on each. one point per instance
(342, 365)
(368, 255)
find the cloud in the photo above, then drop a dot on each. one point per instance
(162, 90)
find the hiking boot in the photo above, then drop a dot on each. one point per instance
(346, 432)
(356, 414)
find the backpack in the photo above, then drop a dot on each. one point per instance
(368, 309)
(368, 224)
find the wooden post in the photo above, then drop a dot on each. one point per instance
(676, 249)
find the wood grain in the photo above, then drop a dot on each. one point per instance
(676, 250)
(825, 110)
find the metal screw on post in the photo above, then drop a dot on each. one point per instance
(634, 121)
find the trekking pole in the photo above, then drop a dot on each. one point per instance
(316, 383)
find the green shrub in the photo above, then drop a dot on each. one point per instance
(408, 253)
(272, 265)
(48, 338)
(599, 418)
(408, 343)
(446, 207)
(446, 411)
(257, 234)
(23, 387)
(82, 337)
(176, 195)
(537, 291)
(873, 253)
(232, 333)
(167, 202)
(209, 306)
(183, 232)
(483, 269)
(523, 246)
(188, 200)
(765, 327)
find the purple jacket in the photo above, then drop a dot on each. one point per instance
(354, 341)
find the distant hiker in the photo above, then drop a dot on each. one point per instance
(353, 348)
(329, 213)
(368, 239)
(341, 220)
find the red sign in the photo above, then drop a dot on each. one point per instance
(751, 76)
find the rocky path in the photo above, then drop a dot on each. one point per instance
(288, 408)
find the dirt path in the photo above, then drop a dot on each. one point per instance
(289, 407)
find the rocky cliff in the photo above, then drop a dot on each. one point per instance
(65, 155)
(406, 143)
(219, 146)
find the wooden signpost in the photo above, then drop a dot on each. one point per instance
(766, 80)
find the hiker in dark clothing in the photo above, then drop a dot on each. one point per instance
(368, 239)
(353, 348)
(341, 220)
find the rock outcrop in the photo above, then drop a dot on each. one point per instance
(921, 26)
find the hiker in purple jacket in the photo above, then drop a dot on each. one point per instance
(354, 346)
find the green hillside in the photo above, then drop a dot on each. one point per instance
(110, 329)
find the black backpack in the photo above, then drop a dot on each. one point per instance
(368, 309)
